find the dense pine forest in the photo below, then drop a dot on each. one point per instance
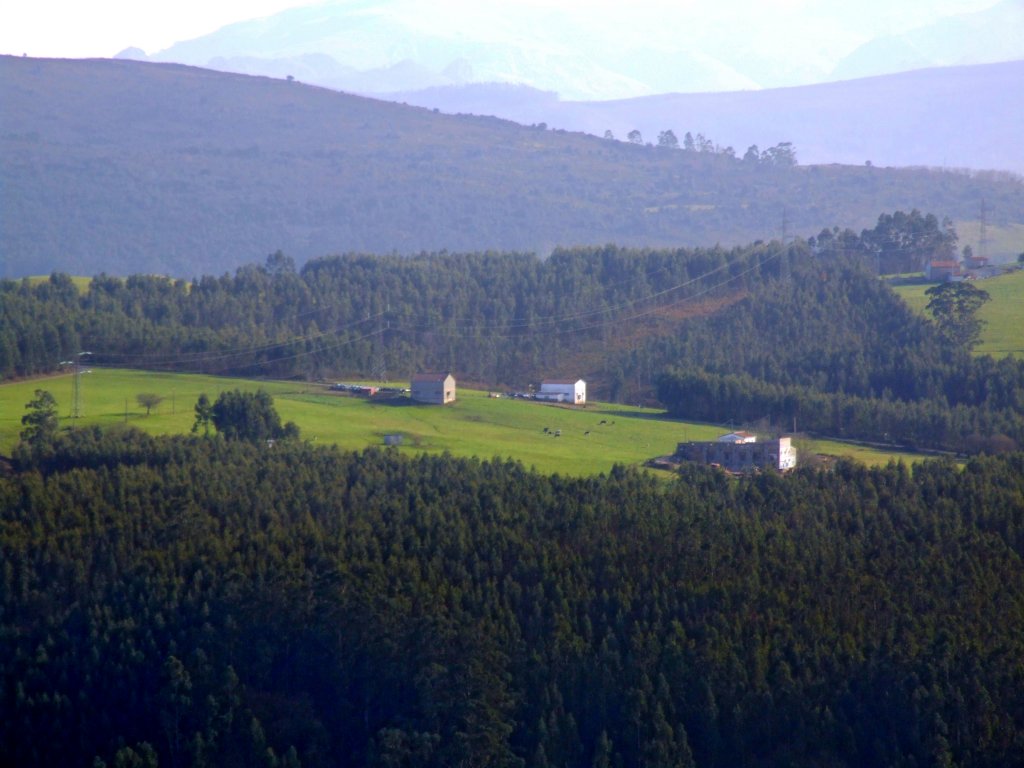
(201, 601)
(797, 335)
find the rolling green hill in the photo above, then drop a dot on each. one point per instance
(476, 425)
(1003, 333)
(127, 167)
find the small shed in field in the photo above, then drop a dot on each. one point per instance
(563, 391)
(433, 388)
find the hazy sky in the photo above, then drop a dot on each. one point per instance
(102, 28)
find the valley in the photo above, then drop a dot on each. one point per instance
(223, 543)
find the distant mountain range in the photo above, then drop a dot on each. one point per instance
(610, 50)
(953, 117)
(126, 167)
(955, 102)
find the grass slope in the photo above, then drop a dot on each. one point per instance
(1003, 333)
(476, 425)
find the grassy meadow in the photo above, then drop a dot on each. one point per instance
(476, 425)
(1003, 333)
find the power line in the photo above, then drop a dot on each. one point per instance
(515, 329)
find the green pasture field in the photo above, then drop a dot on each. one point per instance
(1003, 333)
(81, 283)
(476, 425)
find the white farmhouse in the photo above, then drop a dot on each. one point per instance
(563, 391)
(434, 388)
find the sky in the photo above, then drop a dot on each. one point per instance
(102, 28)
(74, 29)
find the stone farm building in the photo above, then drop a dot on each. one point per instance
(740, 452)
(434, 388)
(563, 391)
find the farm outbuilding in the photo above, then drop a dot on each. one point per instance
(563, 391)
(942, 271)
(433, 388)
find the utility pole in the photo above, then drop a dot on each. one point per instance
(784, 256)
(76, 384)
(983, 231)
(380, 371)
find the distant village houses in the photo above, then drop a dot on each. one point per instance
(740, 452)
(563, 391)
(433, 388)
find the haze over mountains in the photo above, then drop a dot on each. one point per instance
(951, 117)
(606, 50)
(944, 97)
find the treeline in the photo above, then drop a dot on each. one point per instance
(197, 602)
(506, 318)
(782, 155)
(924, 423)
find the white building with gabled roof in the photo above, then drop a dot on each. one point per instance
(433, 388)
(563, 391)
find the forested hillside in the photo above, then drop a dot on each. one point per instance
(126, 167)
(208, 602)
(802, 335)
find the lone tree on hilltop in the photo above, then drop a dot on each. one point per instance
(955, 307)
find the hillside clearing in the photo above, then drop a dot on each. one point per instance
(1003, 333)
(476, 425)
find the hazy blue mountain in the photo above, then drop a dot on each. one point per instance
(993, 35)
(612, 50)
(954, 117)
